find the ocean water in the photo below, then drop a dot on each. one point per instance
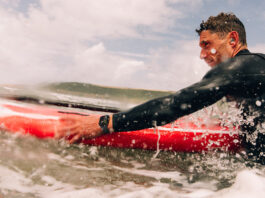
(37, 168)
(30, 167)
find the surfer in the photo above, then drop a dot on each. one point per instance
(235, 73)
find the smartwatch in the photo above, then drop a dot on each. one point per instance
(104, 123)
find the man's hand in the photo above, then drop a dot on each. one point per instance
(76, 127)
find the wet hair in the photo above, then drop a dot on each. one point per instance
(222, 24)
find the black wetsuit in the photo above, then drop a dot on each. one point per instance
(241, 77)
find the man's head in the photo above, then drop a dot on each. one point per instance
(221, 37)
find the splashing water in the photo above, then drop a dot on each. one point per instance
(35, 168)
(156, 131)
(31, 167)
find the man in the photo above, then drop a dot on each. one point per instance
(236, 73)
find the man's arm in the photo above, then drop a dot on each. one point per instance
(166, 109)
(155, 112)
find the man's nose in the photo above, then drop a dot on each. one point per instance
(203, 54)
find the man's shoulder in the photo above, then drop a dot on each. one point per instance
(245, 63)
(250, 55)
(251, 61)
(260, 55)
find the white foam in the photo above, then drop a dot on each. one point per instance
(11, 180)
(248, 184)
(133, 191)
(16, 181)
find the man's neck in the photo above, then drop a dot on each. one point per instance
(241, 47)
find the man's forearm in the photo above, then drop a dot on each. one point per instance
(166, 109)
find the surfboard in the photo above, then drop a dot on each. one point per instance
(181, 136)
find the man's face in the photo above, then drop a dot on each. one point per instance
(214, 49)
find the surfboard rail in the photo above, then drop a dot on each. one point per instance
(44, 121)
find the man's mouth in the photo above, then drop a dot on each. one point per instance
(209, 62)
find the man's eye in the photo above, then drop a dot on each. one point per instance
(205, 44)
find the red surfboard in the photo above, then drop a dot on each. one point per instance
(182, 136)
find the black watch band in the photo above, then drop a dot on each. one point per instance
(104, 123)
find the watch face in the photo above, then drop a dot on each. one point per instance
(103, 123)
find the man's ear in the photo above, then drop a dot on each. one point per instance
(234, 38)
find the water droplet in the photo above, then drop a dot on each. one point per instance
(258, 103)
(213, 51)
(183, 106)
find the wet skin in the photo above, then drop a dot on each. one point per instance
(216, 49)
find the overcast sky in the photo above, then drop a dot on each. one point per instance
(129, 43)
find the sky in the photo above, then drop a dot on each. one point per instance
(149, 44)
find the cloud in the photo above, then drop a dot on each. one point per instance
(63, 40)
(101, 18)
(259, 48)
(165, 68)
(176, 68)
(9, 3)
(97, 65)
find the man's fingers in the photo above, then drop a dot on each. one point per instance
(73, 128)
(65, 131)
(72, 134)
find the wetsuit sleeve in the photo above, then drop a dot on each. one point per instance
(166, 109)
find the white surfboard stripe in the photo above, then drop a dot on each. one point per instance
(188, 130)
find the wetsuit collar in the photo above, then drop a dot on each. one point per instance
(244, 51)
